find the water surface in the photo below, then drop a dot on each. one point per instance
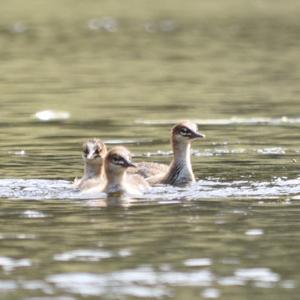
(126, 72)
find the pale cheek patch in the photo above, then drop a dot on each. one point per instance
(120, 163)
(185, 134)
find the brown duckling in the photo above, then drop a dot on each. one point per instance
(116, 163)
(180, 171)
(93, 153)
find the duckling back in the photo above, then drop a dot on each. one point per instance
(148, 169)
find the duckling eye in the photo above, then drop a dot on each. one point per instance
(116, 159)
(184, 131)
(86, 151)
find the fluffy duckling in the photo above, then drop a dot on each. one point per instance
(93, 153)
(180, 171)
(116, 163)
(148, 169)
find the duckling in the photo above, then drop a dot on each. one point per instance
(93, 154)
(180, 171)
(116, 163)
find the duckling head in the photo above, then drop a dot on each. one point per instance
(117, 160)
(185, 132)
(94, 151)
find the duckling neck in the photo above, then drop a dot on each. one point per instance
(115, 182)
(181, 171)
(182, 153)
(92, 170)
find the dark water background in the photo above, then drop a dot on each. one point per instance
(125, 71)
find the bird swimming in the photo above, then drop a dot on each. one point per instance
(116, 163)
(93, 154)
(180, 170)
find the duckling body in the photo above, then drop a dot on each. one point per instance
(116, 163)
(180, 171)
(93, 155)
(148, 169)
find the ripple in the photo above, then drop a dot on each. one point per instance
(219, 151)
(146, 282)
(19, 27)
(257, 274)
(230, 121)
(9, 264)
(90, 255)
(165, 26)
(40, 189)
(204, 189)
(272, 151)
(198, 262)
(36, 285)
(6, 285)
(19, 236)
(18, 153)
(143, 280)
(51, 298)
(108, 24)
(158, 153)
(288, 284)
(224, 151)
(83, 255)
(33, 214)
(254, 232)
(260, 277)
(211, 293)
(231, 281)
(127, 141)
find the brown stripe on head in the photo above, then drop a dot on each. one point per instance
(119, 155)
(185, 131)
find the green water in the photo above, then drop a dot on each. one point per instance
(125, 71)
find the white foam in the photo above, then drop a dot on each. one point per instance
(41, 189)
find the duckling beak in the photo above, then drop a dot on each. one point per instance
(129, 164)
(197, 135)
(90, 156)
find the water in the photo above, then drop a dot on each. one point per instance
(125, 72)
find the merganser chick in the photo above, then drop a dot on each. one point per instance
(116, 163)
(180, 171)
(93, 153)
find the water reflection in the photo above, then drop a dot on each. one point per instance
(113, 201)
